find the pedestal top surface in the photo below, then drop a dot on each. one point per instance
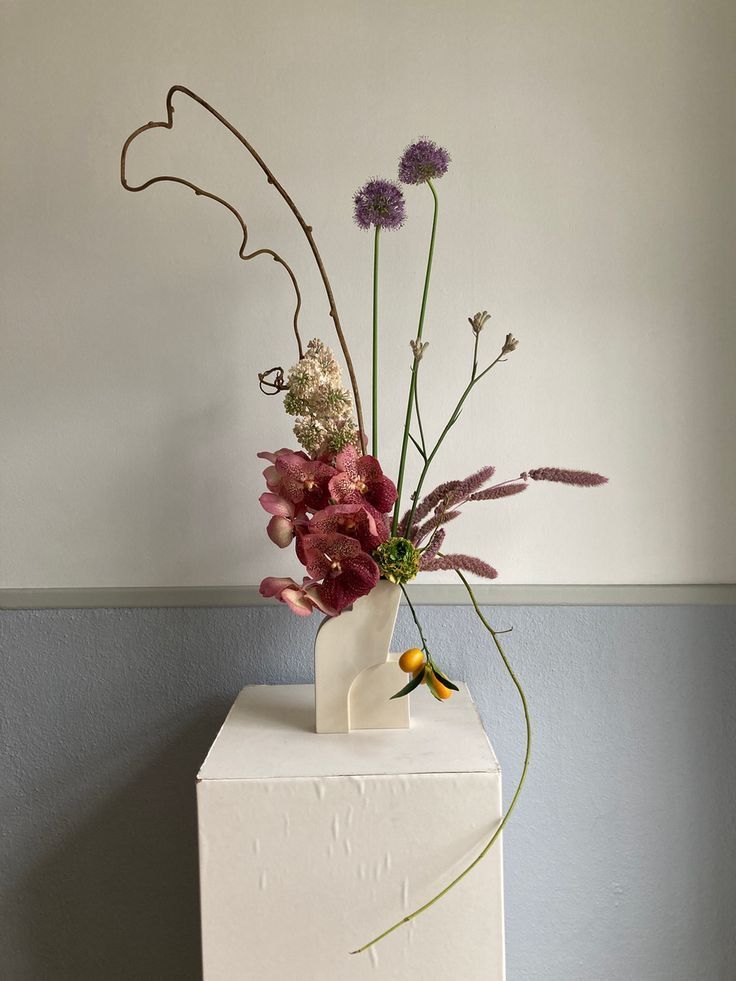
(269, 733)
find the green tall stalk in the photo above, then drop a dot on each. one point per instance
(512, 805)
(412, 384)
(474, 379)
(374, 420)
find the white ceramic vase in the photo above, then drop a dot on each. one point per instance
(355, 675)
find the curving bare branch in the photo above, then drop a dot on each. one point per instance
(272, 382)
(168, 123)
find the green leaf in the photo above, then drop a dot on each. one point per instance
(414, 683)
(445, 681)
(432, 689)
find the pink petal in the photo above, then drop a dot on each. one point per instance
(346, 459)
(360, 574)
(274, 586)
(297, 601)
(280, 531)
(277, 505)
(315, 595)
(381, 493)
(273, 457)
(273, 478)
(369, 468)
(342, 489)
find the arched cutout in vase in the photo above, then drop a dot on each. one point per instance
(354, 673)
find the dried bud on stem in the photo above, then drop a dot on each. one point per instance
(418, 348)
(509, 345)
(479, 321)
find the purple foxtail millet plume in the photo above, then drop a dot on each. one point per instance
(501, 490)
(579, 478)
(450, 490)
(474, 482)
(468, 563)
(435, 544)
(440, 517)
(380, 203)
(428, 503)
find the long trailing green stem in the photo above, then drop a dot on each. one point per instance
(474, 379)
(494, 837)
(413, 382)
(374, 420)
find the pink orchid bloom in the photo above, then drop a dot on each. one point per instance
(300, 599)
(359, 521)
(361, 478)
(271, 474)
(286, 518)
(273, 457)
(304, 481)
(347, 570)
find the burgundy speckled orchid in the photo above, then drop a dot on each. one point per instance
(358, 521)
(303, 480)
(361, 478)
(348, 572)
(287, 517)
(300, 599)
(271, 474)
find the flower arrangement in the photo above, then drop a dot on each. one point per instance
(333, 501)
(331, 498)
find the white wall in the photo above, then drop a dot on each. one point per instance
(589, 207)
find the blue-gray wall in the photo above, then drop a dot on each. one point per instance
(619, 860)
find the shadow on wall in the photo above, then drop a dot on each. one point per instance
(118, 897)
(107, 716)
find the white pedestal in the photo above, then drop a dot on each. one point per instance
(312, 844)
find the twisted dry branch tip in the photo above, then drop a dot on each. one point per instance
(269, 386)
(168, 123)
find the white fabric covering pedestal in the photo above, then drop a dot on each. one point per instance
(312, 844)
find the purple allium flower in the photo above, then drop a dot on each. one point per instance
(423, 161)
(379, 203)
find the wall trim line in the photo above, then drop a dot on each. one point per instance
(435, 594)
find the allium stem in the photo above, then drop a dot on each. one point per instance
(415, 366)
(494, 837)
(374, 420)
